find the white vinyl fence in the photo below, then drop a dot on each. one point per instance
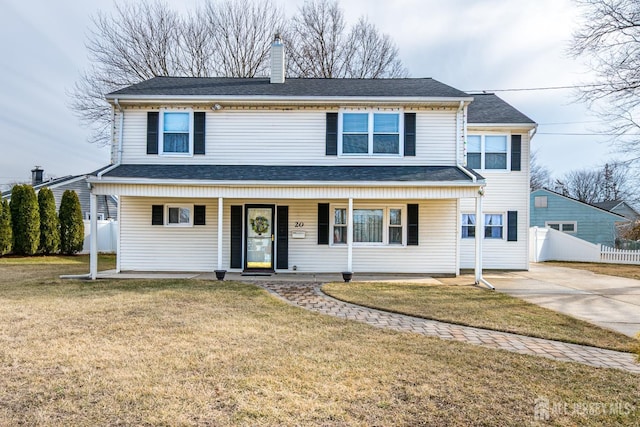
(546, 244)
(107, 236)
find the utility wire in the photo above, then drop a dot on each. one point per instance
(523, 89)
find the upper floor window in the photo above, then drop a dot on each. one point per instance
(487, 152)
(176, 136)
(371, 133)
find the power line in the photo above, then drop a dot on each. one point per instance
(523, 89)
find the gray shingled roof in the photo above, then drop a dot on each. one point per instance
(225, 86)
(489, 108)
(608, 205)
(292, 173)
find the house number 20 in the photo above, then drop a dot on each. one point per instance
(298, 224)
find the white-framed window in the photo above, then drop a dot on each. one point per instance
(340, 225)
(540, 201)
(493, 226)
(176, 133)
(488, 152)
(371, 133)
(372, 226)
(181, 216)
(570, 227)
(468, 226)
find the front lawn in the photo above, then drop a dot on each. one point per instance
(473, 306)
(189, 352)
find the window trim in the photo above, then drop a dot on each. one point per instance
(483, 152)
(161, 151)
(561, 224)
(484, 226)
(370, 133)
(540, 202)
(386, 220)
(179, 206)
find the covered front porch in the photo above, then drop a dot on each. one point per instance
(402, 224)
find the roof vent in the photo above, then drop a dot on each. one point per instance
(277, 60)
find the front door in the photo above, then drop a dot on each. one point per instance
(259, 247)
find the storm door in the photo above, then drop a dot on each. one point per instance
(260, 237)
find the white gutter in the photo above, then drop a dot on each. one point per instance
(120, 136)
(462, 168)
(200, 183)
(284, 100)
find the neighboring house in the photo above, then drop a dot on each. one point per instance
(316, 175)
(619, 207)
(107, 205)
(582, 220)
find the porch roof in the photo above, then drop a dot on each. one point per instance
(304, 174)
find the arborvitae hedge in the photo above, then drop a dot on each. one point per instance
(6, 233)
(25, 218)
(49, 223)
(71, 225)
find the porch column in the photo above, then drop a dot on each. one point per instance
(479, 238)
(350, 236)
(220, 227)
(93, 236)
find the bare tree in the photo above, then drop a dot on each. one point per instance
(372, 55)
(241, 33)
(230, 38)
(610, 39)
(137, 43)
(611, 182)
(540, 177)
(320, 46)
(317, 45)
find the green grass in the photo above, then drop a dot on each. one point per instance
(189, 352)
(472, 306)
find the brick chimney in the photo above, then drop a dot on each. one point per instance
(36, 176)
(277, 60)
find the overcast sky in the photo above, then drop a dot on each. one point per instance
(470, 45)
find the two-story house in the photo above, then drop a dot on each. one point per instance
(316, 175)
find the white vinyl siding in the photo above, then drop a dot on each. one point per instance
(287, 137)
(145, 247)
(505, 191)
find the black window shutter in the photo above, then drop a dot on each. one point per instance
(412, 225)
(236, 236)
(512, 226)
(323, 223)
(516, 152)
(199, 215)
(152, 132)
(332, 134)
(198, 132)
(157, 215)
(282, 230)
(409, 134)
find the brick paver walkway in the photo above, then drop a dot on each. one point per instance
(309, 296)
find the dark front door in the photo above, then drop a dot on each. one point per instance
(259, 237)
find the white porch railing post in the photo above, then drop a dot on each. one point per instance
(350, 237)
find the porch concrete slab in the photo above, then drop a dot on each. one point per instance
(112, 274)
(324, 277)
(607, 301)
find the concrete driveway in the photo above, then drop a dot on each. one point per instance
(607, 301)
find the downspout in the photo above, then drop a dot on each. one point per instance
(120, 136)
(458, 138)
